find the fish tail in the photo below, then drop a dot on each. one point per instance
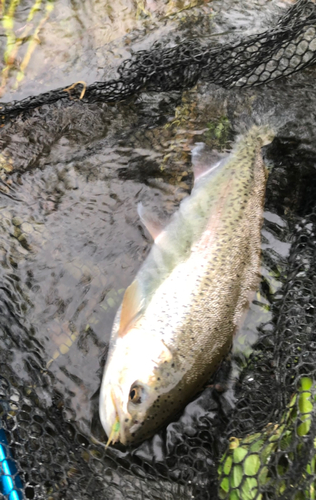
(253, 137)
(262, 133)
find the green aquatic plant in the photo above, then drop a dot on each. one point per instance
(218, 132)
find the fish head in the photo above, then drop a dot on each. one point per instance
(135, 396)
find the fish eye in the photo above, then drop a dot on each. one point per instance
(135, 395)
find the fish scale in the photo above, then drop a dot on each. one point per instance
(178, 317)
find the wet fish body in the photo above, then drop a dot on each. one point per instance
(179, 315)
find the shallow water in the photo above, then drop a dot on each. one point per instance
(70, 238)
(69, 41)
(81, 40)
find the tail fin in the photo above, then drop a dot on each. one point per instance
(265, 133)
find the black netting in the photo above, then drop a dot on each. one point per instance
(247, 435)
(281, 51)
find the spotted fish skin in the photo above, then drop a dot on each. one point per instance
(188, 297)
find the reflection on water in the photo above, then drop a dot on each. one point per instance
(66, 37)
(52, 43)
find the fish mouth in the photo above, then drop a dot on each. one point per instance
(117, 433)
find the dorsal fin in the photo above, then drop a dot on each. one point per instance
(150, 221)
(131, 306)
(205, 160)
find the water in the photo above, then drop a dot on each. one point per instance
(82, 40)
(70, 237)
(69, 44)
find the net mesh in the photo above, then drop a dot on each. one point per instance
(260, 443)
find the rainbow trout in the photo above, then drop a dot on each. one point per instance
(178, 317)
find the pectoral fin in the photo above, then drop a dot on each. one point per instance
(131, 307)
(150, 221)
(205, 160)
